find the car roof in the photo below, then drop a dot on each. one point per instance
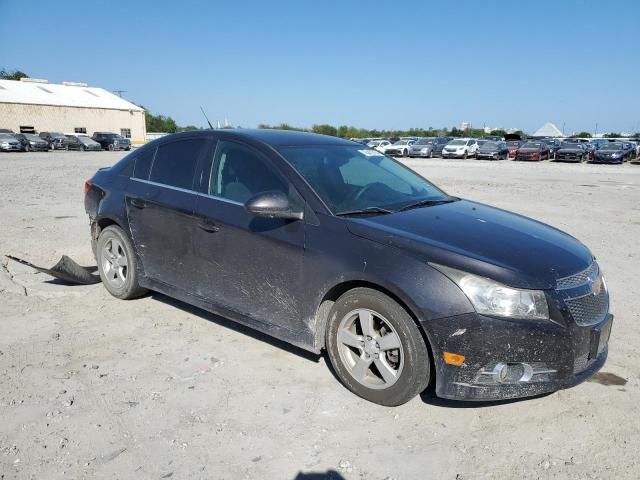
(273, 137)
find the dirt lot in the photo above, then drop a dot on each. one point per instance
(93, 387)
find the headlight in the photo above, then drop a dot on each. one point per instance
(492, 298)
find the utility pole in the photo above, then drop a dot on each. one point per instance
(595, 132)
(563, 123)
(119, 92)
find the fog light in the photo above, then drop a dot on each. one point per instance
(512, 372)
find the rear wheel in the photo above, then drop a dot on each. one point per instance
(376, 349)
(117, 264)
(27, 147)
(465, 155)
(405, 153)
(111, 147)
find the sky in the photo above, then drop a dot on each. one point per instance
(370, 64)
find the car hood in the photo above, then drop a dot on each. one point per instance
(480, 239)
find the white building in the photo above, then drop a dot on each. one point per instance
(37, 105)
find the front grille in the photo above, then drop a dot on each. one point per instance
(580, 278)
(589, 309)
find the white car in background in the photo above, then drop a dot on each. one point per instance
(399, 148)
(379, 145)
(460, 148)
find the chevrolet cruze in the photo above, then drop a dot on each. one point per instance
(333, 246)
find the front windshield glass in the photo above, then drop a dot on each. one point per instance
(401, 142)
(31, 136)
(515, 144)
(570, 145)
(6, 136)
(489, 145)
(56, 134)
(351, 178)
(611, 146)
(458, 142)
(425, 141)
(532, 145)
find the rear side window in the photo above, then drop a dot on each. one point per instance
(143, 164)
(175, 162)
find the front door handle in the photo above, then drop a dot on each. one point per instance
(208, 227)
(136, 202)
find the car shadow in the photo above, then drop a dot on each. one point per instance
(238, 327)
(328, 475)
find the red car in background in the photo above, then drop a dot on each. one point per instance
(535, 151)
(514, 146)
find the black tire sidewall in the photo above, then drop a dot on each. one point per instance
(416, 369)
(131, 288)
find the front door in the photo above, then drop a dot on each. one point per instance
(250, 265)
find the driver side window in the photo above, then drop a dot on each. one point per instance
(238, 173)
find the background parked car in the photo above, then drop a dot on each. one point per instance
(422, 148)
(611, 152)
(56, 141)
(631, 150)
(493, 151)
(553, 144)
(460, 148)
(572, 152)
(439, 143)
(533, 151)
(9, 143)
(6, 130)
(493, 138)
(514, 145)
(379, 145)
(111, 141)
(401, 147)
(82, 143)
(32, 142)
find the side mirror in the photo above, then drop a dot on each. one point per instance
(272, 204)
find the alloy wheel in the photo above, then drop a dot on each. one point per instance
(370, 349)
(115, 264)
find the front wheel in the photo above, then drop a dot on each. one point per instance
(111, 147)
(376, 349)
(117, 264)
(405, 153)
(464, 157)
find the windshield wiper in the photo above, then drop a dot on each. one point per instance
(426, 203)
(364, 211)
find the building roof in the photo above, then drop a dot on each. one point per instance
(548, 130)
(70, 95)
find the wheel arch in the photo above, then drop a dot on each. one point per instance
(335, 292)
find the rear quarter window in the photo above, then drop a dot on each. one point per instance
(142, 164)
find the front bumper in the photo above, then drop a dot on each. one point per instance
(11, 148)
(446, 154)
(610, 160)
(550, 356)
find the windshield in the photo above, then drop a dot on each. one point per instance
(515, 144)
(458, 142)
(489, 145)
(31, 136)
(532, 145)
(6, 136)
(402, 142)
(351, 178)
(570, 145)
(611, 146)
(85, 139)
(425, 141)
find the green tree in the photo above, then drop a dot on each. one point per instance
(581, 135)
(612, 135)
(12, 75)
(498, 132)
(325, 129)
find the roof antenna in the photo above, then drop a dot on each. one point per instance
(205, 116)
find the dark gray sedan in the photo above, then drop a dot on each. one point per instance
(493, 151)
(82, 143)
(572, 152)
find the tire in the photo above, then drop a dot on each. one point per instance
(82, 148)
(405, 153)
(27, 147)
(117, 264)
(406, 368)
(111, 147)
(431, 154)
(464, 157)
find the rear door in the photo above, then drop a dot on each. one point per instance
(249, 265)
(160, 208)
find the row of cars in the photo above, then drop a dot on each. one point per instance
(496, 148)
(45, 141)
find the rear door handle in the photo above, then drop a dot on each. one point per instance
(136, 202)
(208, 227)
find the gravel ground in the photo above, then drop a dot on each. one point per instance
(93, 387)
